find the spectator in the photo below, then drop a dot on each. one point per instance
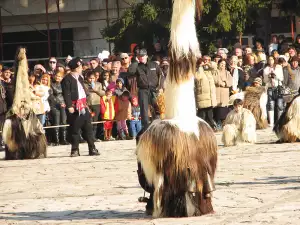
(148, 75)
(222, 52)
(52, 66)
(68, 59)
(249, 66)
(39, 70)
(108, 113)
(36, 97)
(6, 74)
(281, 41)
(96, 92)
(123, 112)
(238, 52)
(273, 45)
(135, 122)
(105, 80)
(282, 61)
(237, 74)
(106, 65)
(115, 71)
(217, 58)
(223, 81)
(294, 74)
(125, 62)
(248, 50)
(273, 78)
(94, 63)
(297, 43)
(45, 86)
(259, 45)
(58, 110)
(205, 94)
(120, 88)
(60, 67)
(292, 52)
(275, 54)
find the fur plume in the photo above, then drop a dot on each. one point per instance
(184, 45)
(256, 100)
(22, 98)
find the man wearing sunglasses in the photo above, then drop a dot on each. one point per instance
(125, 63)
(78, 115)
(52, 66)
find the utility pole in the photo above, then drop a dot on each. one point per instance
(48, 29)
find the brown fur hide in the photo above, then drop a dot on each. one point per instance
(178, 165)
(20, 146)
(252, 102)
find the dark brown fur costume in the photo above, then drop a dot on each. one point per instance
(185, 162)
(32, 147)
(252, 102)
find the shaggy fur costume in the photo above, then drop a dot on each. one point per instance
(287, 127)
(179, 154)
(256, 100)
(22, 131)
(239, 127)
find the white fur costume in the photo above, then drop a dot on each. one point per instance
(287, 127)
(239, 127)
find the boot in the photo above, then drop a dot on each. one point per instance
(93, 152)
(63, 140)
(75, 153)
(56, 137)
(271, 118)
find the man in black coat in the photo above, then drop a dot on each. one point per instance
(148, 75)
(78, 115)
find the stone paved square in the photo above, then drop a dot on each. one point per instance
(256, 184)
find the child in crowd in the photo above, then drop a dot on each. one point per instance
(105, 79)
(135, 122)
(108, 113)
(123, 112)
(120, 87)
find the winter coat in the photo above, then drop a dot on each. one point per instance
(222, 92)
(205, 90)
(56, 98)
(277, 80)
(107, 107)
(95, 93)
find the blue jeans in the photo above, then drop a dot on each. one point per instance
(135, 127)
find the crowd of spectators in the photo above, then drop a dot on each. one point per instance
(113, 82)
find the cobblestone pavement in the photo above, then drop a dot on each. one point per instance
(256, 184)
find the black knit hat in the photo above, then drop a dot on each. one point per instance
(74, 63)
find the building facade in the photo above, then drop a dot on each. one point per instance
(24, 22)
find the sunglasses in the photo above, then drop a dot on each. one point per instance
(125, 58)
(52, 62)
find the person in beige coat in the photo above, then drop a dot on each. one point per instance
(223, 82)
(205, 94)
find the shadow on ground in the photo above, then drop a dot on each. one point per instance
(73, 215)
(267, 181)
